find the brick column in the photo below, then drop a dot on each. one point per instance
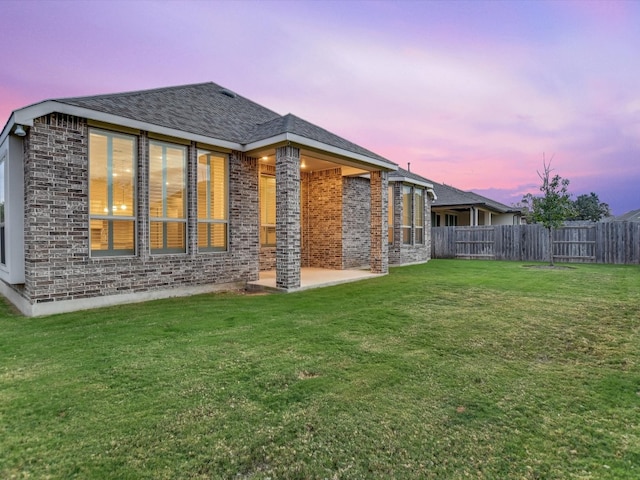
(287, 217)
(379, 243)
(143, 196)
(192, 199)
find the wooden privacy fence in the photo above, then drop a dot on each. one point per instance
(604, 242)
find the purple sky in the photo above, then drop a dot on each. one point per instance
(471, 93)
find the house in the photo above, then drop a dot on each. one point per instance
(132, 196)
(630, 216)
(455, 207)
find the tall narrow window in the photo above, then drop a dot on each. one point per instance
(112, 174)
(390, 215)
(3, 259)
(212, 201)
(407, 214)
(267, 211)
(167, 188)
(418, 202)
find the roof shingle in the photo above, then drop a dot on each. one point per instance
(211, 110)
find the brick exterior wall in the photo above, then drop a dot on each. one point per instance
(287, 217)
(394, 247)
(324, 219)
(356, 217)
(58, 265)
(305, 257)
(399, 253)
(338, 223)
(379, 260)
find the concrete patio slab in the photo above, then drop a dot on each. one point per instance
(311, 278)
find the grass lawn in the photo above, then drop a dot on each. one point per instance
(453, 369)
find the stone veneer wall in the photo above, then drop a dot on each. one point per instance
(324, 219)
(58, 265)
(356, 222)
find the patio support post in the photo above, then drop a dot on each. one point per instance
(287, 217)
(473, 217)
(379, 237)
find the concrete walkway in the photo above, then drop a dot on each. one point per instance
(312, 278)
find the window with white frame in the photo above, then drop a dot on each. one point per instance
(450, 220)
(267, 210)
(407, 214)
(418, 207)
(167, 195)
(112, 180)
(213, 193)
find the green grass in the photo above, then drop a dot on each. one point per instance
(453, 369)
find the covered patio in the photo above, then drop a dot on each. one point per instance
(330, 203)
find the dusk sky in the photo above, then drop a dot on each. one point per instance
(472, 94)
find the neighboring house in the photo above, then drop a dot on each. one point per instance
(455, 207)
(632, 216)
(131, 196)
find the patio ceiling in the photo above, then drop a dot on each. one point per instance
(314, 161)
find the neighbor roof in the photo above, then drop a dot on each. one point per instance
(632, 216)
(207, 111)
(449, 196)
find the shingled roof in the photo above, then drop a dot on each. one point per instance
(205, 109)
(632, 216)
(402, 175)
(449, 196)
(213, 111)
(292, 124)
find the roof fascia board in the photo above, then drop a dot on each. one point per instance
(8, 127)
(412, 181)
(26, 116)
(319, 146)
(481, 206)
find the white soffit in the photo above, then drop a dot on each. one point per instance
(346, 155)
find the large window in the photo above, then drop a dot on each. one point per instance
(450, 220)
(167, 206)
(407, 214)
(112, 167)
(3, 259)
(390, 215)
(267, 210)
(418, 206)
(212, 201)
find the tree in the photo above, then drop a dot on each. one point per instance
(589, 207)
(553, 207)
